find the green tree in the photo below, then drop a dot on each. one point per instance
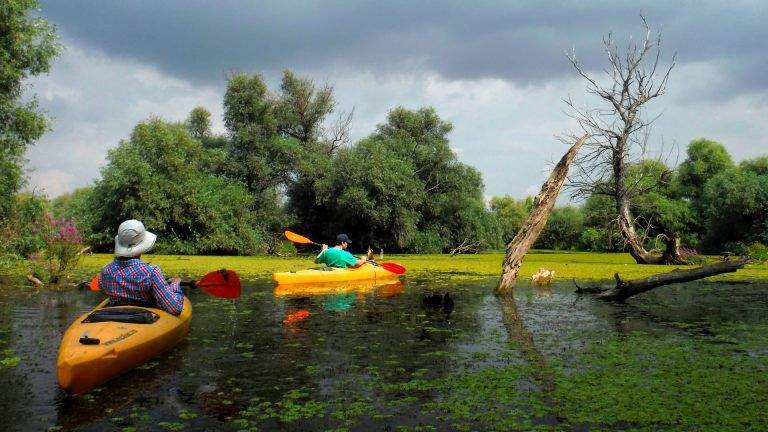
(199, 123)
(757, 165)
(160, 176)
(563, 230)
(706, 159)
(511, 214)
(660, 211)
(735, 207)
(301, 109)
(76, 205)
(421, 137)
(27, 46)
(601, 230)
(262, 158)
(372, 194)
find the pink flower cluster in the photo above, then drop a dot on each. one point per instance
(62, 230)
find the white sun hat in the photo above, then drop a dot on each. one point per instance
(133, 239)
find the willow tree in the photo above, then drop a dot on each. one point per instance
(619, 129)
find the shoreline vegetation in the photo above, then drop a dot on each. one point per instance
(582, 266)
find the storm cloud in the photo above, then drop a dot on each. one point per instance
(523, 42)
(497, 70)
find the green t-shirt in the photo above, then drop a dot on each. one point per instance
(336, 257)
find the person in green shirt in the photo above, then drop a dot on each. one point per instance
(337, 256)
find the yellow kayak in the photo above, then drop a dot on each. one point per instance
(108, 341)
(387, 288)
(364, 272)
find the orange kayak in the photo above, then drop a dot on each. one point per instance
(108, 341)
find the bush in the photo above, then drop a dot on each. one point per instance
(18, 234)
(60, 254)
(757, 251)
(427, 242)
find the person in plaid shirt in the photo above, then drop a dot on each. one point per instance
(130, 281)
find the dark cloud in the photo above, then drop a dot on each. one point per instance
(522, 42)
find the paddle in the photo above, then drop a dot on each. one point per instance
(389, 266)
(218, 283)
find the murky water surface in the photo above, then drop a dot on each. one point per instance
(318, 359)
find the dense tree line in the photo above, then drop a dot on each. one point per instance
(712, 204)
(284, 162)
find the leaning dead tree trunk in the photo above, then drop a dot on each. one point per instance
(626, 289)
(537, 219)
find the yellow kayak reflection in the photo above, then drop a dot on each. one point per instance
(383, 289)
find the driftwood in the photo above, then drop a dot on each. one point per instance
(35, 281)
(537, 219)
(626, 289)
(466, 246)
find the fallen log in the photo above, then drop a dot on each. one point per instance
(537, 219)
(626, 289)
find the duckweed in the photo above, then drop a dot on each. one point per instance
(586, 266)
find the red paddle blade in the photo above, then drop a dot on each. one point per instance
(221, 283)
(295, 238)
(93, 285)
(392, 267)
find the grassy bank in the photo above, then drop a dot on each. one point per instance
(583, 266)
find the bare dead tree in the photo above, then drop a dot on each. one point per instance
(619, 131)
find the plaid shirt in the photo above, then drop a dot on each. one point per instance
(132, 281)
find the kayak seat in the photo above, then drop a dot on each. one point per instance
(131, 315)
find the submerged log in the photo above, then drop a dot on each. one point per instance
(626, 289)
(537, 219)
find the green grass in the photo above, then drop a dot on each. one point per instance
(584, 266)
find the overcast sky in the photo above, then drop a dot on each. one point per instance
(496, 70)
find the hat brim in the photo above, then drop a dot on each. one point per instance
(146, 245)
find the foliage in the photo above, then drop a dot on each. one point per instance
(706, 159)
(371, 193)
(75, 205)
(757, 165)
(511, 214)
(27, 46)
(159, 177)
(62, 246)
(563, 230)
(19, 235)
(301, 109)
(758, 251)
(600, 220)
(199, 123)
(735, 208)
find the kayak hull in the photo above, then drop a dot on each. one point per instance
(122, 346)
(386, 288)
(364, 272)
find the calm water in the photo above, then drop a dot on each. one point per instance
(273, 348)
